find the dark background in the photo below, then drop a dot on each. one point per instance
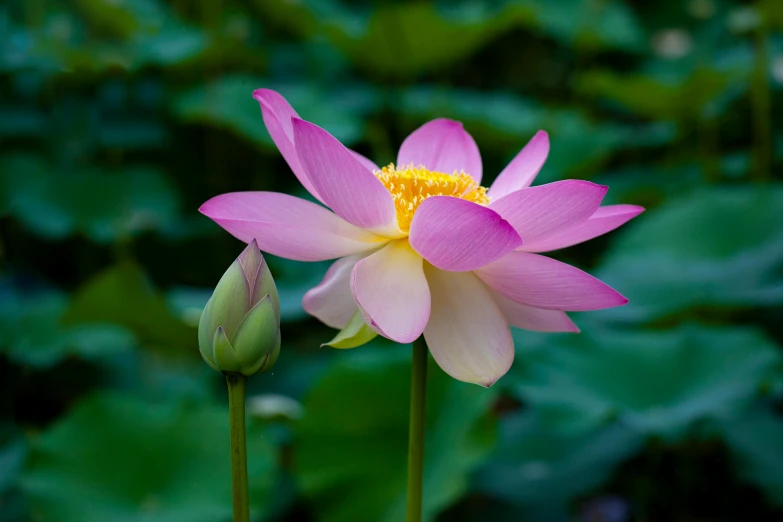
(118, 118)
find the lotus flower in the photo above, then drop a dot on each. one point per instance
(421, 246)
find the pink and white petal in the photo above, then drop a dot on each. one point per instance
(344, 183)
(532, 318)
(288, 226)
(390, 288)
(278, 115)
(467, 333)
(539, 212)
(543, 282)
(458, 235)
(442, 145)
(331, 302)
(524, 168)
(367, 162)
(605, 219)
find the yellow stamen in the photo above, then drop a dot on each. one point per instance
(410, 185)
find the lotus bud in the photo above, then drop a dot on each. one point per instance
(239, 330)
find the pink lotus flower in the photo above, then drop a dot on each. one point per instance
(422, 246)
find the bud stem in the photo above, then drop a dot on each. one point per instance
(236, 413)
(416, 434)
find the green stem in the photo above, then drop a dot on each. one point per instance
(236, 412)
(416, 438)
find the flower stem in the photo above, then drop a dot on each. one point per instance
(236, 412)
(416, 438)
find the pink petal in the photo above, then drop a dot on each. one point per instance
(539, 212)
(458, 235)
(523, 169)
(278, 114)
(605, 219)
(467, 333)
(543, 282)
(367, 162)
(444, 146)
(344, 183)
(287, 226)
(536, 319)
(392, 293)
(331, 302)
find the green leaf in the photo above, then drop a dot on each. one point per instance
(656, 382)
(293, 279)
(123, 18)
(542, 470)
(408, 38)
(157, 376)
(355, 333)
(755, 444)
(117, 458)
(228, 103)
(640, 94)
(105, 206)
(33, 332)
(657, 97)
(352, 442)
(123, 295)
(148, 33)
(649, 183)
(503, 122)
(175, 43)
(13, 452)
(500, 112)
(188, 303)
(714, 248)
(590, 25)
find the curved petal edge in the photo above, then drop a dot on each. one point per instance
(604, 220)
(458, 235)
(391, 291)
(543, 282)
(442, 145)
(467, 333)
(288, 226)
(524, 168)
(343, 181)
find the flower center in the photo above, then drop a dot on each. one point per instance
(410, 185)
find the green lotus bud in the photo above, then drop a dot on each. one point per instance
(239, 330)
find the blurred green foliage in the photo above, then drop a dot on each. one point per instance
(118, 118)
